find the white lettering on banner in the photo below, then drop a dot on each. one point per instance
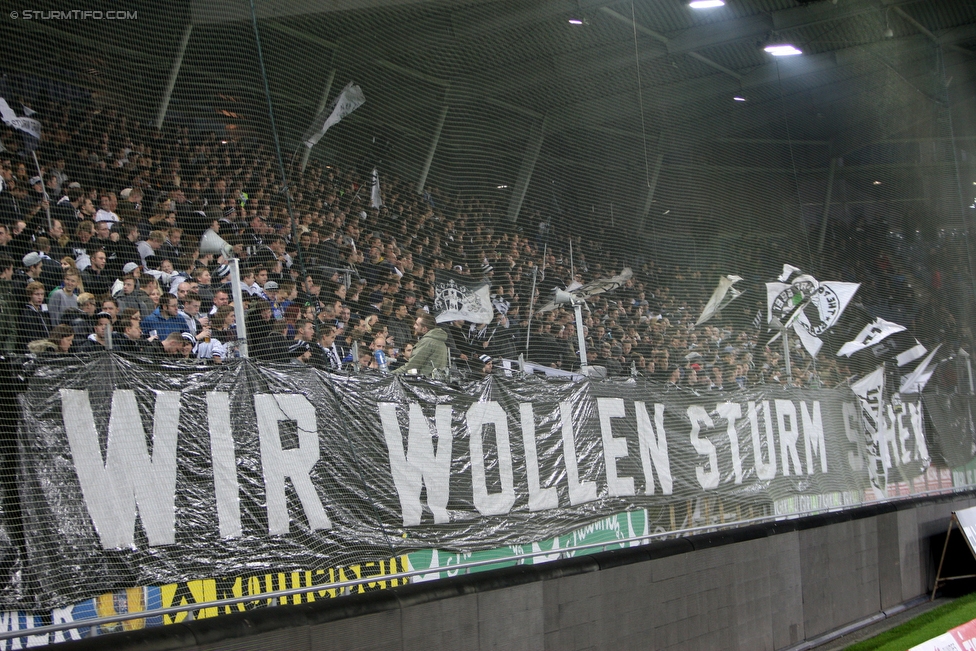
(814, 443)
(137, 478)
(224, 465)
(34, 641)
(903, 431)
(730, 411)
(613, 447)
(888, 437)
(902, 434)
(765, 471)
(419, 465)
(10, 621)
(479, 415)
(708, 479)
(852, 416)
(788, 436)
(654, 449)
(540, 499)
(579, 492)
(64, 616)
(921, 449)
(278, 464)
(128, 479)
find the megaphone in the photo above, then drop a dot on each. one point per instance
(210, 242)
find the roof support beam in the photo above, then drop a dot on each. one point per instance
(726, 31)
(664, 39)
(917, 25)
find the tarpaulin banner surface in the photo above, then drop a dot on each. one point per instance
(147, 475)
(952, 418)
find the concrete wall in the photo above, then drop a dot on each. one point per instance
(760, 587)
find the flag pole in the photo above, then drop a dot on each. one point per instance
(528, 328)
(238, 296)
(786, 354)
(44, 187)
(572, 266)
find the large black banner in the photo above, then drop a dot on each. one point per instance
(952, 416)
(143, 475)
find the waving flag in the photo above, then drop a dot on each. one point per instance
(28, 125)
(724, 294)
(594, 287)
(871, 334)
(350, 99)
(459, 297)
(915, 382)
(807, 305)
(376, 198)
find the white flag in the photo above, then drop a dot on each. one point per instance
(870, 393)
(910, 355)
(916, 381)
(377, 196)
(461, 298)
(788, 270)
(871, 334)
(27, 125)
(350, 99)
(717, 302)
(826, 306)
(807, 305)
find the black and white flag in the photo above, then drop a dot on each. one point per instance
(757, 320)
(807, 305)
(870, 393)
(869, 340)
(27, 125)
(870, 335)
(376, 196)
(350, 99)
(915, 381)
(461, 298)
(594, 287)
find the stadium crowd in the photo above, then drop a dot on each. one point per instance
(104, 245)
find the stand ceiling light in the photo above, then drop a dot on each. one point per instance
(782, 50)
(706, 4)
(578, 18)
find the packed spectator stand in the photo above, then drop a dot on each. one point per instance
(102, 251)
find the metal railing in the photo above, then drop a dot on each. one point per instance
(516, 559)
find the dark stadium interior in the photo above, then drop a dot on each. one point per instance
(534, 145)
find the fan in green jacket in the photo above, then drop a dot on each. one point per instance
(431, 351)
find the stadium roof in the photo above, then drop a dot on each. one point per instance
(611, 98)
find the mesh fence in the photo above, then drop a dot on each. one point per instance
(347, 155)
